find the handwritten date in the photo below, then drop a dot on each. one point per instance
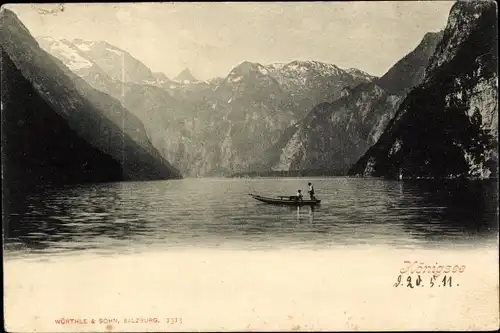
(432, 282)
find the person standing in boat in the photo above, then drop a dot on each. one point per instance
(311, 191)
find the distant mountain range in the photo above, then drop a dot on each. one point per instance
(56, 128)
(433, 114)
(447, 126)
(213, 127)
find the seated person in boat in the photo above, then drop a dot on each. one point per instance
(311, 191)
(299, 195)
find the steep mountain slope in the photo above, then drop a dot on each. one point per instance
(37, 143)
(334, 135)
(447, 126)
(163, 116)
(409, 71)
(165, 107)
(86, 121)
(253, 111)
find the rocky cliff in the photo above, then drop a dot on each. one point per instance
(56, 128)
(335, 135)
(447, 126)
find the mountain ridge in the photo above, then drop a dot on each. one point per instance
(206, 127)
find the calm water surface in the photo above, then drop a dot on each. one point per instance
(136, 216)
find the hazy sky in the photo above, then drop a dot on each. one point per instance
(212, 38)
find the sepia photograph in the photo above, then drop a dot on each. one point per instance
(250, 166)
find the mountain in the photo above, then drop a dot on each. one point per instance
(447, 126)
(257, 103)
(76, 60)
(233, 120)
(117, 63)
(312, 82)
(83, 56)
(221, 125)
(253, 111)
(165, 107)
(337, 133)
(185, 76)
(56, 128)
(98, 58)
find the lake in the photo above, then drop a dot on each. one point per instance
(202, 255)
(135, 216)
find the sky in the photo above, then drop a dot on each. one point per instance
(210, 38)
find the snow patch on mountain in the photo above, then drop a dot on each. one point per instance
(357, 73)
(119, 53)
(235, 78)
(262, 70)
(66, 52)
(276, 66)
(83, 45)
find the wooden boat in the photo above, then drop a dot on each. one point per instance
(289, 200)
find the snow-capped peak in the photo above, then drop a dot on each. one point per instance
(82, 44)
(299, 67)
(248, 67)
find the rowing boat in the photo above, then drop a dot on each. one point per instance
(286, 200)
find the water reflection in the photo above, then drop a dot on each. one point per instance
(447, 209)
(305, 213)
(213, 212)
